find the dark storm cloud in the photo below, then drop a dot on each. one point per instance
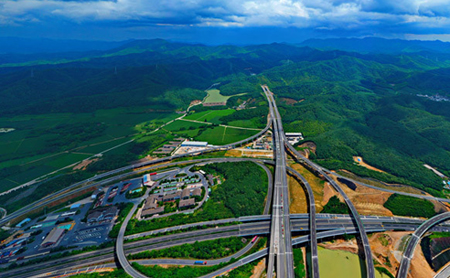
(358, 17)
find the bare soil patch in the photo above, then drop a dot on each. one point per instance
(83, 164)
(361, 162)
(259, 269)
(367, 201)
(306, 148)
(328, 192)
(419, 266)
(249, 153)
(289, 101)
(397, 187)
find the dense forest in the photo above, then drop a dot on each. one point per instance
(335, 206)
(244, 188)
(409, 206)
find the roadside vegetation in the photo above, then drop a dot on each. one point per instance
(205, 250)
(116, 273)
(176, 271)
(409, 206)
(243, 271)
(335, 206)
(135, 195)
(299, 264)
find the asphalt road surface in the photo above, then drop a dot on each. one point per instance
(415, 239)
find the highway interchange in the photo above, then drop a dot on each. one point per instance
(279, 225)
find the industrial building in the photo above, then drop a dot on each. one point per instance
(53, 237)
(198, 144)
(170, 147)
(294, 137)
(104, 214)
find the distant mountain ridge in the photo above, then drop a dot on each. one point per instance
(33, 46)
(378, 45)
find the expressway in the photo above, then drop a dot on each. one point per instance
(280, 232)
(300, 224)
(312, 223)
(415, 239)
(370, 268)
(443, 273)
(120, 251)
(280, 228)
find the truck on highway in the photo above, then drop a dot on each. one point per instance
(254, 239)
(200, 262)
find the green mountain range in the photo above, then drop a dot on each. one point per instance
(352, 97)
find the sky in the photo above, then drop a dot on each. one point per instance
(225, 21)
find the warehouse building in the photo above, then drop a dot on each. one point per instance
(198, 144)
(53, 237)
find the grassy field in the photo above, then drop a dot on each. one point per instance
(215, 96)
(184, 128)
(221, 135)
(341, 264)
(44, 143)
(211, 116)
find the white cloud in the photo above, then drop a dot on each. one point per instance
(319, 14)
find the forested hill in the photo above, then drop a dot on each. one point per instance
(353, 107)
(141, 71)
(348, 103)
(378, 45)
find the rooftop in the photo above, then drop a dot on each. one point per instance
(186, 203)
(152, 211)
(53, 236)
